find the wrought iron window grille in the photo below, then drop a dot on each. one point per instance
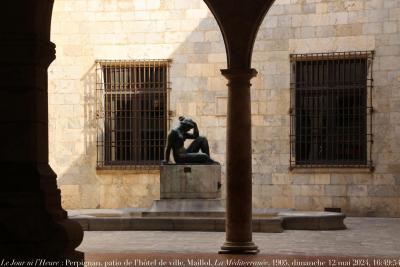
(331, 110)
(132, 103)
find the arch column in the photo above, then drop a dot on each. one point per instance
(32, 221)
(239, 21)
(238, 163)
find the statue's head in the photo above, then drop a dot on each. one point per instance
(186, 123)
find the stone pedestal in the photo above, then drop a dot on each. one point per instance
(188, 190)
(190, 181)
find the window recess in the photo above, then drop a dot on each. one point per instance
(331, 110)
(132, 103)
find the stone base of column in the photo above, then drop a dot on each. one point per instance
(29, 232)
(33, 224)
(239, 248)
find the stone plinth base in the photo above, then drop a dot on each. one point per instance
(190, 181)
(186, 208)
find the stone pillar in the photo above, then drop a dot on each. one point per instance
(32, 221)
(238, 163)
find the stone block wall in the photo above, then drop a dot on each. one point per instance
(186, 32)
(327, 26)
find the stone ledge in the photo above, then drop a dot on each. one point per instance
(269, 225)
(271, 222)
(331, 170)
(319, 221)
(187, 205)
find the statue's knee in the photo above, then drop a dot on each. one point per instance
(202, 138)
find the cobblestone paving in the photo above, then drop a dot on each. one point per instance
(364, 237)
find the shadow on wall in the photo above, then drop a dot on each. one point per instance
(79, 184)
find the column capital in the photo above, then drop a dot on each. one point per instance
(21, 50)
(232, 74)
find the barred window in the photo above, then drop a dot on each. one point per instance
(331, 110)
(132, 105)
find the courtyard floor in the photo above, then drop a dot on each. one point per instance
(365, 237)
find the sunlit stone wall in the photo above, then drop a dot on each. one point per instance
(186, 32)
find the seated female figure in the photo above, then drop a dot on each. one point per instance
(197, 152)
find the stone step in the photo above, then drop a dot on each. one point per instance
(207, 214)
(196, 214)
(187, 205)
(264, 225)
(313, 220)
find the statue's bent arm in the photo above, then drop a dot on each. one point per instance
(195, 133)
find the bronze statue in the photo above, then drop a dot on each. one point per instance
(192, 154)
